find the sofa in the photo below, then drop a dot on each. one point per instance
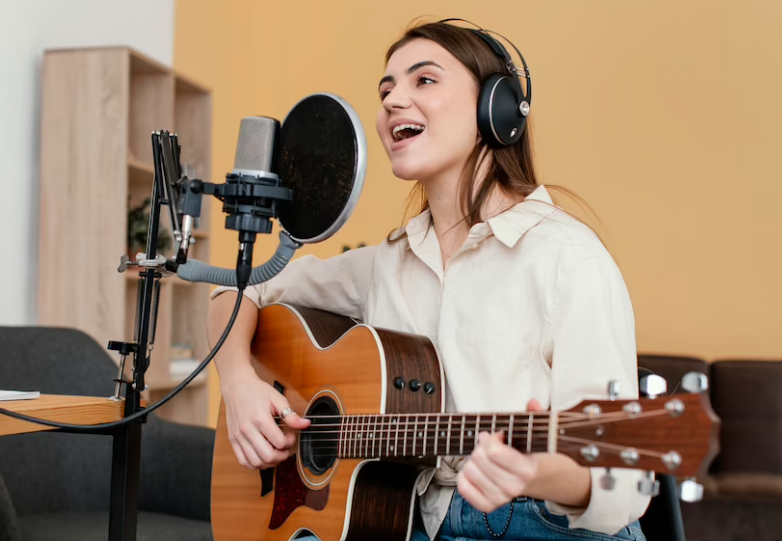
(743, 490)
(55, 486)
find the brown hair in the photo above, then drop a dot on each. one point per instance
(510, 168)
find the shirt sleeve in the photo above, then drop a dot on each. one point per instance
(339, 284)
(593, 335)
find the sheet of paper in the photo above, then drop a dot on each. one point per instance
(19, 395)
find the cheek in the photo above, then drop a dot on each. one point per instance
(381, 125)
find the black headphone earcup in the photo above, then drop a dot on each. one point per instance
(499, 120)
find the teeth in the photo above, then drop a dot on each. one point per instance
(416, 127)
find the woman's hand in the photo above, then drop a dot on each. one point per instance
(257, 441)
(496, 473)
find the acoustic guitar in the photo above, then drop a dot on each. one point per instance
(376, 401)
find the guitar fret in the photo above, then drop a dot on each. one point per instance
(461, 436)
(448, 441)
(493, 423)
(426, 430)
(340, 438)
(396, 438)
(354, 435)
(529, 433)
(389, 446)
(510, 431)
(404, 439)
(357, 445)
(357, 442)
(436, 434)
(365, 435)
(477, 429)
(373, 435)
(352, 440)
(415, 433)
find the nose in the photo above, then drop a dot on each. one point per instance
(397, 98)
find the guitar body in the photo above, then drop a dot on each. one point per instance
(327, 365)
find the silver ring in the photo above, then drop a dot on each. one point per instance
(284, 413)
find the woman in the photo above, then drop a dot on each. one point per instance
(525, 305)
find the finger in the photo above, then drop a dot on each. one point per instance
(502, 455)
(293, 420)
(267, 425)
(240, 456)
(279, 403)
(474, 496)
(254, 462)
(265, 451)
(508, 468)
(496, 485)
(534, 405)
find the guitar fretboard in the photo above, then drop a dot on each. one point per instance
(401, 435)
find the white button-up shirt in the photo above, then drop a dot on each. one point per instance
(531, 306)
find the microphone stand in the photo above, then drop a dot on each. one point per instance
(250, 203)
(126, 452)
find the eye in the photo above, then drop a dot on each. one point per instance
(383, 94)
(423, 80)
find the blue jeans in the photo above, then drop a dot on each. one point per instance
(521, 520)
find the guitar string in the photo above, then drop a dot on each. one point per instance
(540, 418)
(386, 436)
(540, 447)
(541, 426)
(521, 437)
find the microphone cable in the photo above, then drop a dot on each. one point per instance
(131, 418)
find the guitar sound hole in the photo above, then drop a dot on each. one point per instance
(319, 441)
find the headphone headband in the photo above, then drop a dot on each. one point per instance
(503, 105)
(502, 52)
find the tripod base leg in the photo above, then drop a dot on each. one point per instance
(126, 457)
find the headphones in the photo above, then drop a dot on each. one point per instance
(502, 106)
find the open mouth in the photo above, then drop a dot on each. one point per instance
(406, 131)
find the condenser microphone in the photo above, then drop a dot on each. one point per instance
(308, 173)
(257, 149)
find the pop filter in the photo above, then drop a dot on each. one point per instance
(323, 161)
(308, 173)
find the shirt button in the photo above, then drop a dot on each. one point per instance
(474, 246)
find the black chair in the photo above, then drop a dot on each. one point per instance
(663, 518)
(55, 486)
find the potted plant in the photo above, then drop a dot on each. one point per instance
(138, 226)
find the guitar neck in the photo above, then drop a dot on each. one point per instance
(432, 435)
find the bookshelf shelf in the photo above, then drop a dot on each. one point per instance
(106, 102)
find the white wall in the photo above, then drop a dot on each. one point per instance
(27, 28)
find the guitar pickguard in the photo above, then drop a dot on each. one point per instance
(290, 493)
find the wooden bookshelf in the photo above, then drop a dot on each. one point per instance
(99, 109)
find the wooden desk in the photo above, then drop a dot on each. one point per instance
(126, 452)
(82, 410)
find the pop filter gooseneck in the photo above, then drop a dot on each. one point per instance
(309, 174)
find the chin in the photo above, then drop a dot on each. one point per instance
(406, 170)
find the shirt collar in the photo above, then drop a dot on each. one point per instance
(508, 226)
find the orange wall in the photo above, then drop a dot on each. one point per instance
(663, 115)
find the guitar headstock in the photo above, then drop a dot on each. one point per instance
(676, 435)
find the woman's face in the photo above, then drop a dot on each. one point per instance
(428, 120)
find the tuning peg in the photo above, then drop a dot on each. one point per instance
(613, 389)
(653, 386)
(607, 481)
(695, 382)
(691, 491)
(648, 486)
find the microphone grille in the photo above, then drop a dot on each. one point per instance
(256, 148)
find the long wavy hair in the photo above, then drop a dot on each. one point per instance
(510, 168)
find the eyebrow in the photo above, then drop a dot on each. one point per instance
(408, 71)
